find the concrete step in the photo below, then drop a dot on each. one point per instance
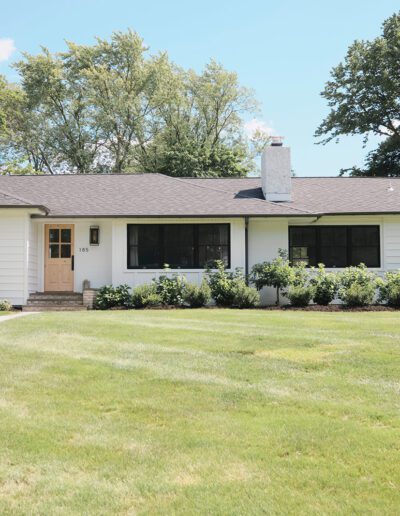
(46, 302)
(53, 308)
(55, 295)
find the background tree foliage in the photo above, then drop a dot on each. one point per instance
(112, 108)
(364, 97)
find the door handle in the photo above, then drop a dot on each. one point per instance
(72, 262)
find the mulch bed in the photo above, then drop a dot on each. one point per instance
(310, 308)
(336, 308)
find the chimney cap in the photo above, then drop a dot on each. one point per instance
(277, 141)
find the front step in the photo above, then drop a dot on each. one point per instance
(54, 301)
(53, 308)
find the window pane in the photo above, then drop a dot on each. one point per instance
(208, 254)
(65, 250)
(149, 258)
(213, 234)
(133, 260)
(65, 235)
(133, 232)
(148, 235)
(333, 236)
(302, 237)
(302, 245)
(332, 256)
(54, 235)
(367, 255)
(179, 245)
(179, 257)
(54, 251)
(153, 245)
(365, 235)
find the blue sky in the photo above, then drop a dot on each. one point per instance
(284, 50)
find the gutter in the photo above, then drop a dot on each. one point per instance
(246, 249)
(45, 210)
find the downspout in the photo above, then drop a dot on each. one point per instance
(246, 249)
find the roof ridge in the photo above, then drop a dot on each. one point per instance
(239, 194)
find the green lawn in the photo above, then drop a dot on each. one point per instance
(200, 412)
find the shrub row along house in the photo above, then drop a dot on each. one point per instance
(58, 231)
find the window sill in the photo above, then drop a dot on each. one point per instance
(172, 270)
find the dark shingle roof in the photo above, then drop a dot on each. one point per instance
(155, 195)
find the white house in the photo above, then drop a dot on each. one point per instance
(57, 231)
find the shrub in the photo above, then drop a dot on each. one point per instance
(110, 297)
(300, 276)
(144, 296)
(223, 284)
(278, 274)
(300, 295)
(358, 295)
(5, 306)
(325, 285)
(195, 296)
(245, 296)
(389, 289)
(171, 290)
(357, 286)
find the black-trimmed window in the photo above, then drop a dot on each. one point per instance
(335, 246)
(181, 246)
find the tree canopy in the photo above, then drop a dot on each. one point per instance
(364, 98)
(113, 107)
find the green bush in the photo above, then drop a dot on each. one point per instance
(389, 288)
(278, 274)
(300, 295)
(245, 296)
(325, 285)
(357, 286)
(358, 295)
(171, 289)
(5, 306)
(144, 296)
(110, 297)
(195, 296)
(224, 284)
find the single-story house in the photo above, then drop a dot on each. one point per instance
(58, 231)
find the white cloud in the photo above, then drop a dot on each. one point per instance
(254, 125)
(7, 47)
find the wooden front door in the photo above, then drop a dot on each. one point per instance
(59, 258)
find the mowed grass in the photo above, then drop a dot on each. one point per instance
(200, 412)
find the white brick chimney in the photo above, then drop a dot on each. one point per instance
(276, 171)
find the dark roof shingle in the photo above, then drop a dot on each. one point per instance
(153, 195)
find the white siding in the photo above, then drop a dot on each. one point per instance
(33, 257)
(391, 237)
(266, 237)
(13, 255)
(107, 263)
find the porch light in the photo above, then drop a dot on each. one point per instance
(94, 235)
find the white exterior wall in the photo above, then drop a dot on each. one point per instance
(14, 237)
(33, 268)
(266, 237)
(121, 274)
(22, 249)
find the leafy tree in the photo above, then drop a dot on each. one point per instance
(364, 97)
(113, 107)
(278, 274)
